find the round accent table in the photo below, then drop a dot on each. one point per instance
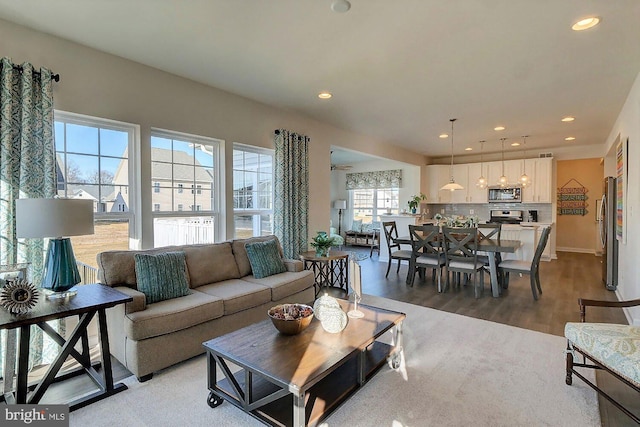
(330, 271)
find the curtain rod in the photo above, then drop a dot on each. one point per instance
(54, 77)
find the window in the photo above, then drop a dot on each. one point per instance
(156, 187)
(95, 160)
(252, 191)
(368, 204)
(178, 161)
(156, 207)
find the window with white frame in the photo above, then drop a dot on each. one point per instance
(368, 204)
(252, 191)
(177, 161)
(95, 160)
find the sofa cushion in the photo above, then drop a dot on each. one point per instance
(162, 276)
(284, 284)
(118, 268)
(238, 294)
(615, 346)
(265, 258)
(240, 252)
(173, 315)
(210, 263)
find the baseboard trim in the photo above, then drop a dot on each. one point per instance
(576, 250)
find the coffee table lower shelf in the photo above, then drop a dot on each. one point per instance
(245, 388)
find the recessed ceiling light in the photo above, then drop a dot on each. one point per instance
(515, 144)
(586, 23)
(340, 6)
(468, 149)
(569, 138)
(568, 119)
(499, 128)
(324, 95)
(444, 135)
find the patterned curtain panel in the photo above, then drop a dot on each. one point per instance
(291, 192)
(373, 180)
(27, 167)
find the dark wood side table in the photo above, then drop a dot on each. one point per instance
(330, 271)
(90, 300)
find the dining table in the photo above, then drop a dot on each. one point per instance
(491, 246)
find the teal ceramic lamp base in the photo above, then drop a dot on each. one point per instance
(60, 271)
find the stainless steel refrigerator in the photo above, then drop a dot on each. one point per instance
(607, 227)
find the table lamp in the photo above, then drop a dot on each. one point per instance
(56, 219)
(340, 205)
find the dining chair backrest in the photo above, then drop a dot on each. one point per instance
(460, 243)
(488, 231)
(391, 233)
(425, 239)
(542, 243)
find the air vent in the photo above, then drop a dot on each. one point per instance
(544, 155)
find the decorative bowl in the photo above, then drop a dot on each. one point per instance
(291, 319)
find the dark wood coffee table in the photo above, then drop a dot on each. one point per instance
(299, 380)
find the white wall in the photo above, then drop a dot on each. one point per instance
(103, 85)
(628, 126)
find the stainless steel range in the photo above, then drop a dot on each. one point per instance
(506, 217)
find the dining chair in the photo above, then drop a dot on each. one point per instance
(488, 231)
(426, 252)
(461, 255)
(395, 252)
(524, 267)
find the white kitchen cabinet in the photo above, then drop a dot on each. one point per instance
(475, 194)
(437, 176)
(461, 176)
(540, 173)
(512, 170)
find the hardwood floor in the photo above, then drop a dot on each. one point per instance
(563, 281)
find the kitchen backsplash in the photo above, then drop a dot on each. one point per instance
(482, 211)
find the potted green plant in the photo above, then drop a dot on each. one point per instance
(414, 202)
(322, 242)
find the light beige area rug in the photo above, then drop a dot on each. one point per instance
(458, 371)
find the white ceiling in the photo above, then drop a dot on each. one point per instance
(398, 69)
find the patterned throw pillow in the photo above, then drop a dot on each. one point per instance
(162, 276)
(366, 227)
(265, 259)
(356, 225)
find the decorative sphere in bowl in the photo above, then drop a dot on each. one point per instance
(291, 319)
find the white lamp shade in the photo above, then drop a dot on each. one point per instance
(340, 204)
(40, 218)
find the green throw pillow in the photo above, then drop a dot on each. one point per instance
(356, 225)
(162, 276)
(265, 259)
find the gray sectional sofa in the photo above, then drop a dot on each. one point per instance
(223, 296)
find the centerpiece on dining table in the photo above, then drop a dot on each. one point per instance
(458, 221)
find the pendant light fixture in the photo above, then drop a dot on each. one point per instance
(452, 185)
(503, 181)
(524, 180)
(482, 181)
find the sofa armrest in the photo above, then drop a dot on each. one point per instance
(293, 265)
(139, 302)
(583, 303)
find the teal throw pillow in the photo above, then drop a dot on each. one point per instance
(366, 227)
(356, 225)
(265, 259)
(162, 276)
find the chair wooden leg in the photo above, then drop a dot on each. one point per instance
(568, 380)
(388, 267)
(538, 282)
(411, 273)
(532, 279)
(398, 269)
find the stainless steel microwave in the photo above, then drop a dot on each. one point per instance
(505, 194)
